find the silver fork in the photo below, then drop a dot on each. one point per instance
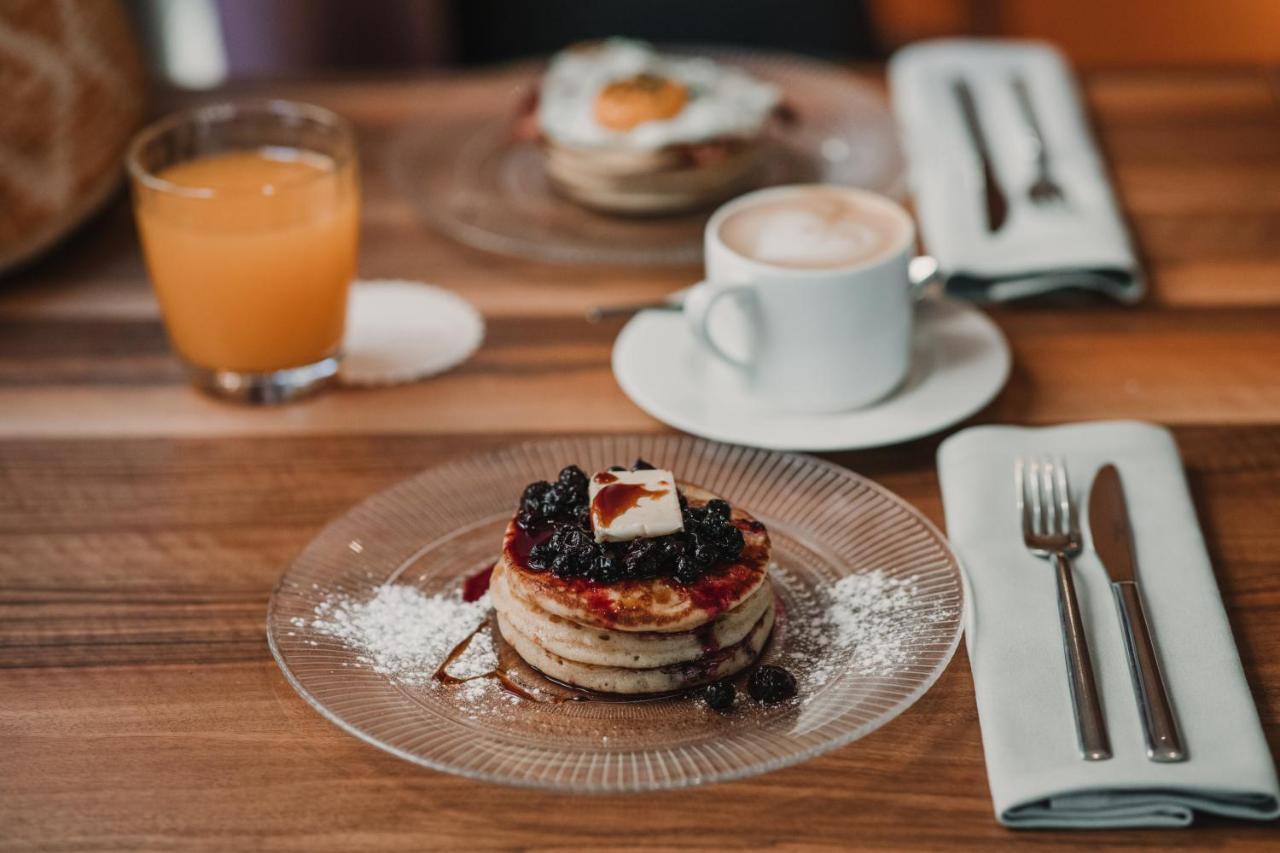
(1044, 189)
(1051, 531)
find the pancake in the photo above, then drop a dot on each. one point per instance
(662, 679)
(638, 182)
(628, 649)
(658, 605)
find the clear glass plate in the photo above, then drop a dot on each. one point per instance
(445, 524)
(472, 180)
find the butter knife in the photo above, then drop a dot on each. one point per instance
(1113, 542)
(997, 204)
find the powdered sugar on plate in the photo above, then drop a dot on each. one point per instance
(405, 634)
(868, 624)
(872, 625)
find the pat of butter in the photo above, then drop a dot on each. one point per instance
(628, 505)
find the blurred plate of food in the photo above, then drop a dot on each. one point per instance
(615, 152)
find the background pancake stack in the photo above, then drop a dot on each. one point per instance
(665, 180)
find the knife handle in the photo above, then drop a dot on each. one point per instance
(1164, 743)
(1091, 726)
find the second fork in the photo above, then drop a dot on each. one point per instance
(1044, 189)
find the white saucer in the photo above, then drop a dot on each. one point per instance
(960, 360)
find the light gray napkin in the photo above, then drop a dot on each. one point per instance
(1015, 644)
(1082, 243)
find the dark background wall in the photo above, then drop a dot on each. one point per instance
(311, 38)
(489, 30)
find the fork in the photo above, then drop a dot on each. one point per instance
(1044, 189)
(1051, 531)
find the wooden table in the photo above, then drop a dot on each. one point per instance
(142, 526)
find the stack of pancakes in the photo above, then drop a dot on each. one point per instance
(638, 636)
(664, 180)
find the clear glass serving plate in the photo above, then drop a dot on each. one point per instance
(445, 524)
(473, 180)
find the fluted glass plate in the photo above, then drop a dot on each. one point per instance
(871, 612)
(471, 178)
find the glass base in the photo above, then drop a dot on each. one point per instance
(276, 386)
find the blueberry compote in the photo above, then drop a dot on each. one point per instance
(560, 512)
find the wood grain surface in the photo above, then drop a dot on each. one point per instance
(143, 526)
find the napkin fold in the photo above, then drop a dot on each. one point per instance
(1082, 243)
(1014, 640)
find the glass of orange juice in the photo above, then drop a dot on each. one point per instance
(249, 218)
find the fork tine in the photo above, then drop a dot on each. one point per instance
(1020, 484)
(1070, 522)
(1033, 490)
(1046, 487)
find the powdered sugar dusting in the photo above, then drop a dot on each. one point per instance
(869, 625)
(872, 625)
(405, 634)
(479, 658)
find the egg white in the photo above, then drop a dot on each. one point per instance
(723, 101)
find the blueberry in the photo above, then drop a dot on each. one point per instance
(564, 566)
(687, 571)
(626, 567)
(639, 548)
(720, 695)
(608, 569)
(641, 465)
(670, 549)
(643, 559)
(527, 520)
(540, 557)
(558, 501)
(531, 499)
(574, 539)
(574, 480)
(693, 517)
(704, 555)
(616, 468)
(717, 510)
(771, 684)
(727, 541)
(571, 551)
(578, 543)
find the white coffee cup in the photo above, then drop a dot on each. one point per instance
(824, 329)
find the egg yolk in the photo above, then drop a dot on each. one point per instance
(623, 104)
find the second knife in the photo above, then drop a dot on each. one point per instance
(997, 205)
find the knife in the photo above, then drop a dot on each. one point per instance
(997, 205)
(1113, 541)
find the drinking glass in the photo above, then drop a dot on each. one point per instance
(248, 214)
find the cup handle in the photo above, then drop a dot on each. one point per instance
(923, 271)
(698, 302)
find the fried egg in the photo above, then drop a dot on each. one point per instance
(623, 93)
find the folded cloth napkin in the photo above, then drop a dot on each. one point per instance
(1081, 243)
(1034, 767)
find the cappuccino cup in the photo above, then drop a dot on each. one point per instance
(824, 305)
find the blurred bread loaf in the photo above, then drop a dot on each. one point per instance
(71, 95)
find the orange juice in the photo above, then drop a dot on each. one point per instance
(251, 253)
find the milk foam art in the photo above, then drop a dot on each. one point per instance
(802, 236)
